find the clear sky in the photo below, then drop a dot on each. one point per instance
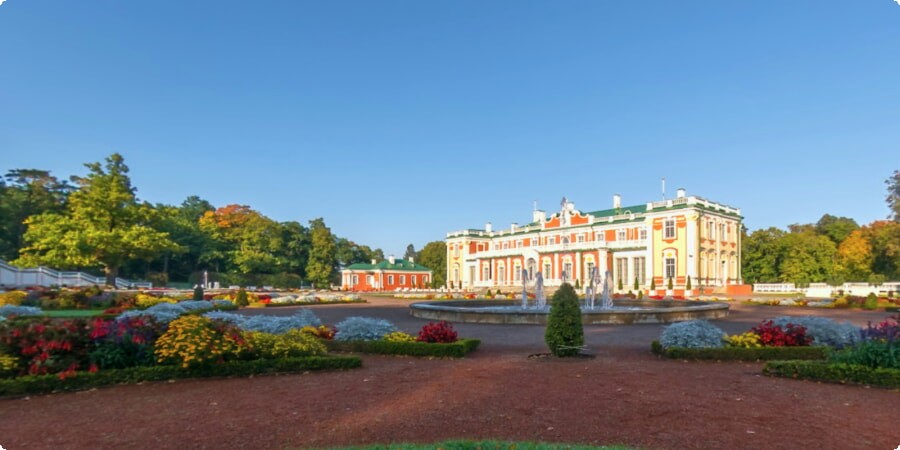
(398, 121)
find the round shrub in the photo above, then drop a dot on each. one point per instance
(289, 345)
(564, 334)
(871, 302)
(362, 329)
(823, 331)
(240, 298)
(9, 311)
(437, 332)
(692, 334)
(12, 298)
(198, 293)
(194, 341)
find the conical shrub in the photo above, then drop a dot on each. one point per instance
(240, 298)
(564, 334)
(198, 292)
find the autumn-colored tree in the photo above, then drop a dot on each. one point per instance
(854, 257)
(103, 225)
(251, 240)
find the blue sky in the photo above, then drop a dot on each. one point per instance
(398, 121)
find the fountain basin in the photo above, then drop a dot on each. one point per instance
(624, 312)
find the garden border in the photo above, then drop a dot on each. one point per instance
(42, 384)
(741, 353)
(834, 373)
(457, 349)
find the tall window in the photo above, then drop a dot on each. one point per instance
(640, 269)
(710, 229)
(567, 268)
(486, 273)
(588, 270)
(670, 268)
(622, 270)
(355, 280)
(391, 280)
(412, 280)
(547, 273)
(456, 250)
(517, 272)
(724, 232)
(402, 279)
(669, 231)
(501, 273)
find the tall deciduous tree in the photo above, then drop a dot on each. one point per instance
(25, 193)
(836, 228)
(104, 225)
(434, 257)
(884, 237)
(806, 257)
(252, 240)
(762, 255)
(854, 258)
(893, 196)
(321, 255)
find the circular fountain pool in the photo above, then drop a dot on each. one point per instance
(623, 311)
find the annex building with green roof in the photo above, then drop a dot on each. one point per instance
(392, 274)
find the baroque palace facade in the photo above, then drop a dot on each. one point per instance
(687, 236)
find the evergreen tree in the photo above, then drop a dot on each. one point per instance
(198, 292)
(321, 255)
(240, 298)
(564, 334)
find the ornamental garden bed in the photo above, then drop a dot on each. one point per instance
(841, 353)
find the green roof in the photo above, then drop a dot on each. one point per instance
(399, 264)
(636, 209)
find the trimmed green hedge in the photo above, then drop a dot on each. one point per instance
(39, 384)
(483, 445)
(456, 349)
(740, 353)
(834, 373)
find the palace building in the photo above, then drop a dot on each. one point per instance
(388, 275)
(643, 244)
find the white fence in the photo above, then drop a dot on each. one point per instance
(824, 290)
(41, 276)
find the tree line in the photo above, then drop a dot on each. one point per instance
(833, 250)
(96, 223)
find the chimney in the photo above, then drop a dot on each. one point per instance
(539, 216)
(374, 262)
(513, 227)
(488, 227)
(412, 260)
(679, 193)
(617, 201)
(391, 259)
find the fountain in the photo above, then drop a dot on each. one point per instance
(526, 312)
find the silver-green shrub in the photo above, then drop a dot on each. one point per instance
(692, 334)
(362, 329)
(11, 310)
(824, 331)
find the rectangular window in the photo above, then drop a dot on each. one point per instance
(620, 235)
(534, 242)
(712, 230)
(669, 232)
(519, 243)
(547, 274)
(412, 280)
(567, 271)
(724, 232)
(505, 245)
(670, 268)
(391, 280)
(581, 237)
(622, 271)
(551, 240)
(640, 269)
(643, 234)
(599, 236)
(517, 273)
(355, 280)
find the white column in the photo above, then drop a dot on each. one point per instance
(578, 266)
(556, 269)
(508, 271)
(692, 250)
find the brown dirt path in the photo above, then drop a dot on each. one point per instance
(623, 395)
